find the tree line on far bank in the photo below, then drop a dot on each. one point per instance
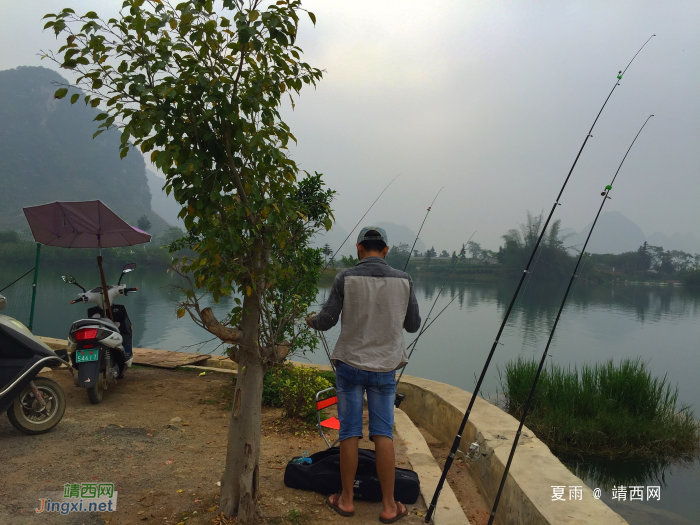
(647, 263)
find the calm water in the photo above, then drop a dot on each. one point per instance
(657, 323)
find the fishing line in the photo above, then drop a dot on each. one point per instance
(399, 397)
(421, 228)
(358, 223)
(605, 193)
(458, 437)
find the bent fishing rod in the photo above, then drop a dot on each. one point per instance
(605, 195)
(400, 397)
(477, 388)
(421, 229)
(358, 222)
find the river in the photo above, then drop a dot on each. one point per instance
(657, 323)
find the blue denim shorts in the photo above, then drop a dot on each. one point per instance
(351, 384)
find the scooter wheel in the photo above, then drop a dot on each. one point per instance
(95, 392)
(24, 415)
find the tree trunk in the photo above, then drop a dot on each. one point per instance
(240, 481)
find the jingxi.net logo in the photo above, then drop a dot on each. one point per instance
(80, 497)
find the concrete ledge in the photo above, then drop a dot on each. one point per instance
(449, 511)
(527, 494)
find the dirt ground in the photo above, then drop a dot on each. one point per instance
(163, 475)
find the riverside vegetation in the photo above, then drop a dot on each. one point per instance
(18, 248)
(608, 409)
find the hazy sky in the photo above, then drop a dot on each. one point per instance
(489, 99)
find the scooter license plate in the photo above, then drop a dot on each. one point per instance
(83, 356)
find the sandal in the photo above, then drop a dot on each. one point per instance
(336, 508)
(398, 516)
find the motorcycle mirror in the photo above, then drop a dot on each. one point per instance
(127, 268)
(69, 279)
(3, 302)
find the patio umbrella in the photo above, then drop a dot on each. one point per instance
(83, 224)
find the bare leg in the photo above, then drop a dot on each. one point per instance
(348, 469)
(384, 451)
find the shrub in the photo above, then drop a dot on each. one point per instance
(294, 389)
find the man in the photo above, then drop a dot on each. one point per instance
(377, 302)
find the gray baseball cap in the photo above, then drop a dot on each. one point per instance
(381, 237)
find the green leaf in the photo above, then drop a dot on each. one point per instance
(97, 133)
(74, 98)
(210, 26)
(123, 153)
(60, 93)
(312, 17)
(101, 116)
(91, 15)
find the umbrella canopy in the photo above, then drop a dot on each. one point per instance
(81, 224)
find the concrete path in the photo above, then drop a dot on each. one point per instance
(449, 511)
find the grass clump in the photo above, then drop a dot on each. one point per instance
(602, 409)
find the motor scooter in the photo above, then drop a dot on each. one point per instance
(34, 404)
(100, 347)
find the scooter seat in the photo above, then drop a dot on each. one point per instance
(106, 323)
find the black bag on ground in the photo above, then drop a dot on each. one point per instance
(323, 476)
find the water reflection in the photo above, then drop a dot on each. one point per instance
(607, 473)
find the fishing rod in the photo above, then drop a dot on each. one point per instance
(458, 437)
(605, 194)
(327, 349)
(400, 397)
(421, 229)
(358, 222)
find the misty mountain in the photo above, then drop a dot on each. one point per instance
(676, 241)
(47, 153)
(164, 205)
(616, 234)
(397, 233)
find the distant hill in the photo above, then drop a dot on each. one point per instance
(47, 153)
(397, 233)
(616, 234)
(164, 205)
(676, 241)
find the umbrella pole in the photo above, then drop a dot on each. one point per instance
(34, 283)
(105, 295)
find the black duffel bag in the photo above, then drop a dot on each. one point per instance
(323, 476)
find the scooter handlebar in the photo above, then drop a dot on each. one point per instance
(127, 290)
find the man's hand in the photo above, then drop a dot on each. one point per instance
(308, 320)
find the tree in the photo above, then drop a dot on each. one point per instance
(143, 223)
(349, 261)
(199, 86)
(444, 253)
(398, 255)
(519, 243)
(454, 257)
(643, 258)
(327, 251)
(170, 235)
(474, 248)
(429, 254)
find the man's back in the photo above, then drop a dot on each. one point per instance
(375, 305)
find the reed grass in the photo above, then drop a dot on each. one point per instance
(615, 410)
